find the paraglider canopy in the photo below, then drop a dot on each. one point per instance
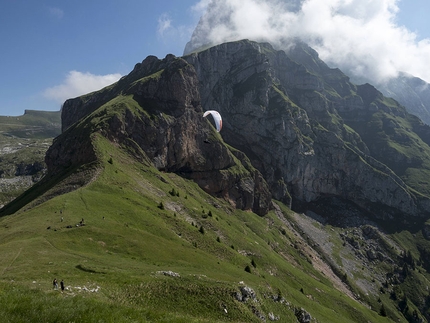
(217, 118)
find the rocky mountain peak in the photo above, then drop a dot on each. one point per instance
(300, 122)
(156, 110)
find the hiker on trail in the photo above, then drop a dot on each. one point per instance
(55, 284)
(62, 285)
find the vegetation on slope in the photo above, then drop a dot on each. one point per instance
(33, 124)
(141, 228)
(136, 244)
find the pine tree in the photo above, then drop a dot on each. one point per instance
(382, 311)
(202, 230)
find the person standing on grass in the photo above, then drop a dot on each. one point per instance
(55, 284)
(62, 285)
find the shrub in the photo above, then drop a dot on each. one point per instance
(382, 311)
(345, 277)
(173, 192)
(279, 295)
(161, 206)
(248, 269)
(202, 230)
(253, 263)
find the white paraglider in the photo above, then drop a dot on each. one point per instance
(217, 118)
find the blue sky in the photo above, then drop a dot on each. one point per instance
(52, 50)
(42, 42)
(412, 15)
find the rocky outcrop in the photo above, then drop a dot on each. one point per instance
(156, 108)
(302, 315)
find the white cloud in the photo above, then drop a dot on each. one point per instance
(164, 24)
(200, 7)
(359, 36)
(78, 83)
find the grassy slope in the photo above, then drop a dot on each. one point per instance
(128, 239)
(33, 124)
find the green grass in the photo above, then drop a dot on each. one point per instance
(33, 124)
(33, 305)
(128, 241)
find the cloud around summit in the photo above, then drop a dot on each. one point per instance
(362, 37)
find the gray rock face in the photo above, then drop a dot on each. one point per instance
(288, 118)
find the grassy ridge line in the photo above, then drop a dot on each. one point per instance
(32, 125)
(33, 117)
(128, 239)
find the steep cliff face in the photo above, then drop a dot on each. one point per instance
(156, 112)
(302, 125)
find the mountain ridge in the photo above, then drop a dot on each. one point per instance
(139, 162)
(309, 87)
(323, 110)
